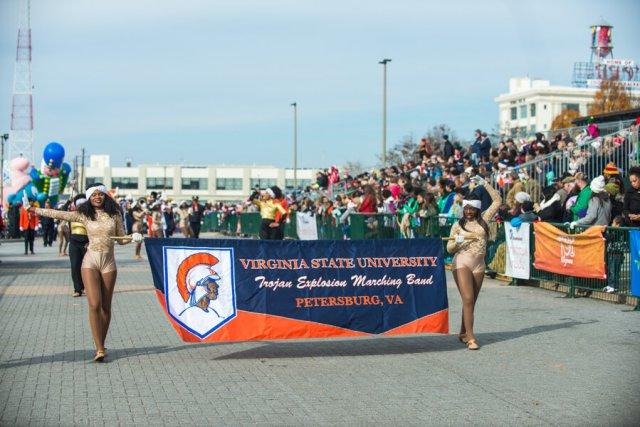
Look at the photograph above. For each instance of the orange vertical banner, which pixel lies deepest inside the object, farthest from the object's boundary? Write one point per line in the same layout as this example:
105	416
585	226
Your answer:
578	255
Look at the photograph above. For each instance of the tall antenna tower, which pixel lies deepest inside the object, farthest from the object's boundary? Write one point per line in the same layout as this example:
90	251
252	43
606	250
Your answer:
21	134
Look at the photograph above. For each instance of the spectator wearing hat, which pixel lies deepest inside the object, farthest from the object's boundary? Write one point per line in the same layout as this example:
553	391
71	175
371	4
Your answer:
525	214
599	205
579	210
631	205
551	208
269	227
610	171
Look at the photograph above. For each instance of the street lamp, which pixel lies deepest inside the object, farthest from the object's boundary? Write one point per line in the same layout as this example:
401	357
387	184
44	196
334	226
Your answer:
384	63
295	145
4	138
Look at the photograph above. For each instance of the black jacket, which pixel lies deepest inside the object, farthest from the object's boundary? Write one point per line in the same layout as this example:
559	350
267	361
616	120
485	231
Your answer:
448	150
46	221
196	214
485	148
631	205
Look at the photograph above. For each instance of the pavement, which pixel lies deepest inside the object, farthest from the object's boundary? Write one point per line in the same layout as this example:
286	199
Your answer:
545	360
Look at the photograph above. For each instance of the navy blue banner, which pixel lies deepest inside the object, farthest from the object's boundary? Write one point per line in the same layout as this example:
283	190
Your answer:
366	286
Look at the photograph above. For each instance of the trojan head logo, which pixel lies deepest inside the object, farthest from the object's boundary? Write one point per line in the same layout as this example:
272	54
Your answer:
198	282
199	287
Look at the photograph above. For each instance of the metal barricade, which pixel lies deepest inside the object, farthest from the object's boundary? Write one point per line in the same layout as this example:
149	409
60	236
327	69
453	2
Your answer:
250	223
617	260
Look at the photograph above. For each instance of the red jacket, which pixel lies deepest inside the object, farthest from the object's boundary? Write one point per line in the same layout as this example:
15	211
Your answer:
279	215
28	219
368	205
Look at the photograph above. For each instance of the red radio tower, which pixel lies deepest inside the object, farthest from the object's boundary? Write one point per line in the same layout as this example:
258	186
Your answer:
21	135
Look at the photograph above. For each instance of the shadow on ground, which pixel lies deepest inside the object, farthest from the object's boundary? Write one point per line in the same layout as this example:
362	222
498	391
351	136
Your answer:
369	346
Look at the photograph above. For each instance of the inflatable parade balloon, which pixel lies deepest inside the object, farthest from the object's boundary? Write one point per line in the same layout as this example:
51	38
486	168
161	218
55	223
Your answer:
53	174
20	181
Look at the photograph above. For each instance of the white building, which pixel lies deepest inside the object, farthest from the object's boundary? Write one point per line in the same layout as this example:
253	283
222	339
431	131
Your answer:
531	105
210	183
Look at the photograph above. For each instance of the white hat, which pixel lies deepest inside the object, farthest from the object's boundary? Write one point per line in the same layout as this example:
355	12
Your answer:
522	197
468	170
597	184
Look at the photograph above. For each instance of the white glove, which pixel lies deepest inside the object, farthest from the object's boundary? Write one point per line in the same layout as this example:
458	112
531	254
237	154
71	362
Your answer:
459	239
137	238
573	224
25	199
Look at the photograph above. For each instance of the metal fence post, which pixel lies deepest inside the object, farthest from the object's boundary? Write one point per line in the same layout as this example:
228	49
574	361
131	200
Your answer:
572	289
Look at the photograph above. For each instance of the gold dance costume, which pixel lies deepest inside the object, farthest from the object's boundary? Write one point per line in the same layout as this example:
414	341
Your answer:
471	253
100	254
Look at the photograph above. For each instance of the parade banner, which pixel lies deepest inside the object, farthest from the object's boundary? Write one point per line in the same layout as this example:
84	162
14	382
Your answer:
237	290
578	255
306	226
518	263
634	260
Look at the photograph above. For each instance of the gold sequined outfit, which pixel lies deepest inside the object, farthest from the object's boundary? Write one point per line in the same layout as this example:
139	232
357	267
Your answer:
471	253
99	254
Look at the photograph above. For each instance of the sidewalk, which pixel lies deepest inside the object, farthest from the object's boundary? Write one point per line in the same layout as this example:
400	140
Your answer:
545	360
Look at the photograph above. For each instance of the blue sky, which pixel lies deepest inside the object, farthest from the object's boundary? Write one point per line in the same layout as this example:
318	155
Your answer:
211	82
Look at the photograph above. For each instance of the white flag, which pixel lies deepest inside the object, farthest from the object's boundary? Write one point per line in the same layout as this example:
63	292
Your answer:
518	263
306	226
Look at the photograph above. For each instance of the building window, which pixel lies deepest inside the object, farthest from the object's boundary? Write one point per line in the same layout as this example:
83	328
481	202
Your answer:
532	129
532	110
90	181
514	113
514	132
523	130
125	183
228	183
544	107
523	111
262	182
302	183
159	183
572	107
194	183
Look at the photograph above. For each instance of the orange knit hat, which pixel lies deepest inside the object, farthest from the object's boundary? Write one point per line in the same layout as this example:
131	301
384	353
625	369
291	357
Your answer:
611	169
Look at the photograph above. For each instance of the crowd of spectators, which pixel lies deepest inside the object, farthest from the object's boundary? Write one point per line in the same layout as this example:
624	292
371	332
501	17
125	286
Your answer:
441	174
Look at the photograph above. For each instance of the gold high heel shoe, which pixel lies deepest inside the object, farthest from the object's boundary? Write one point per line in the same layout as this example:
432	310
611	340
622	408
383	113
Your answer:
472	345
99	357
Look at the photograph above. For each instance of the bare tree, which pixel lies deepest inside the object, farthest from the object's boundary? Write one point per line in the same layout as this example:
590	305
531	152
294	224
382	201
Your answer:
402	152
354	168
435	135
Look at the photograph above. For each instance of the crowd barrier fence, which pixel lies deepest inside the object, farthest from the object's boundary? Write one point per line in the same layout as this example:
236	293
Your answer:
388	226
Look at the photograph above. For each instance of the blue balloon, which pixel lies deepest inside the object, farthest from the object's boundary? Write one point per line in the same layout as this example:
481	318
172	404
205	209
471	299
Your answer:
516	222
65	169
53	154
